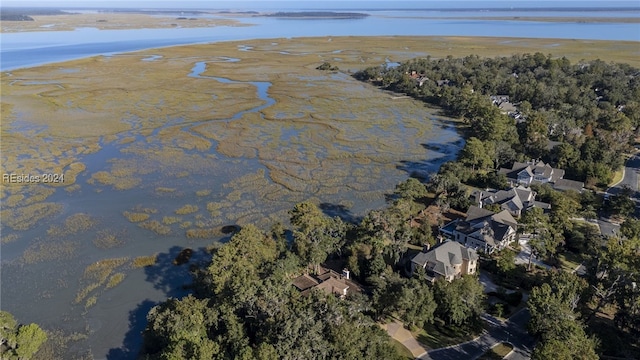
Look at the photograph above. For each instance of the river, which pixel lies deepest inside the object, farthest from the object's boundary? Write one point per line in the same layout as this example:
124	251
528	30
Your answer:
35	48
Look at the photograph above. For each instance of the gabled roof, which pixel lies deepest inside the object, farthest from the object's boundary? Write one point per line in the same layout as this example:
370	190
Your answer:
525	194
304	282
504	217
442	258
475	214
531	168
333	285
514	204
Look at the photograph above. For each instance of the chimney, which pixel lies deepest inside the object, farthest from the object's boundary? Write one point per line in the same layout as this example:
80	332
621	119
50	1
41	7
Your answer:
426	247
345	273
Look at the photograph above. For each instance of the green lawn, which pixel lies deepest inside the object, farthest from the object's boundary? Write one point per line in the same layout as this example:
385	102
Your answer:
497	352
569	261
438	335
402	350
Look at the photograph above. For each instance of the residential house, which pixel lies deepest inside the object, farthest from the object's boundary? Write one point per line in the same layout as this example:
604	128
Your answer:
418	78
482	229
515	200
539	173
448	261
502	102
328	281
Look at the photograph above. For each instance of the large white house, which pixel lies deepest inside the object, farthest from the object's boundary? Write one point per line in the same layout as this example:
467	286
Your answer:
539	173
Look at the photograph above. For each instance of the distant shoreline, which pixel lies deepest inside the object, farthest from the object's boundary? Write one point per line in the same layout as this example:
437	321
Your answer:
565	19
316	15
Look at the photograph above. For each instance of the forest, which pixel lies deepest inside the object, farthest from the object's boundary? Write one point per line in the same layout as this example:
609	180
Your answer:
578	117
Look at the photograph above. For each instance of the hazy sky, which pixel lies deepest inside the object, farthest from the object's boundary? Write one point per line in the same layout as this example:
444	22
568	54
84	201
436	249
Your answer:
315	4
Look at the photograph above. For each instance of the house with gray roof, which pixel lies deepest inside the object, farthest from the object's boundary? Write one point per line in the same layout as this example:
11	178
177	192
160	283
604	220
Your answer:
515	200
448	261
533	172
482	229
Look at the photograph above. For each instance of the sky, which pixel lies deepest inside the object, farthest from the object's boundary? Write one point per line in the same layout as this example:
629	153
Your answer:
311	4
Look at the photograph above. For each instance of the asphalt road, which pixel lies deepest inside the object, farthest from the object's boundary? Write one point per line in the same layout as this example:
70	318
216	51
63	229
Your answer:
512	331
630	179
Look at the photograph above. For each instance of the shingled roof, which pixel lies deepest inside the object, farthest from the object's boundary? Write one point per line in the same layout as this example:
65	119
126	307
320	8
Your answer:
441	259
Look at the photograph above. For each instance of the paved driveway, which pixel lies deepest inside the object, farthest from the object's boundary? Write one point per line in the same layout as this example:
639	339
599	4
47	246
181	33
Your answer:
512	331
525	251
397	331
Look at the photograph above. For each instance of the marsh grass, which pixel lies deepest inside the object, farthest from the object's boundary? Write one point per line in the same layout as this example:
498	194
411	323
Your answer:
203	233
115	279
72	188
91	301
72	173
72	225
106	239
85	291
13	200
135	217
156	227
36	194
165	190
204	192
109	21
98	274
325	134
187	209
42	251
6	239
146	210
118	183
184	140
170	220
144	261
27	217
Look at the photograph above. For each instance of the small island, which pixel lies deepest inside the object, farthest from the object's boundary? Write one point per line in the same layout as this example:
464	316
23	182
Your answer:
318	15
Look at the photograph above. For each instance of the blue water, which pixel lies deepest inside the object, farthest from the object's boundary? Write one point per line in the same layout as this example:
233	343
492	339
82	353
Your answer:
36	48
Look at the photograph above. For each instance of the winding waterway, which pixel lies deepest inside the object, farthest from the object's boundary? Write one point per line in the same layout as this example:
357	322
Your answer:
34	48
45	289
42	275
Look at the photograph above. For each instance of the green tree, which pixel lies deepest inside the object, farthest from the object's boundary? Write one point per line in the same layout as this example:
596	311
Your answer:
554	322
630	228
476	154
417	303
19	341
506	261
179	329
236	266
315	234
573	344
621	204
411	189
460	300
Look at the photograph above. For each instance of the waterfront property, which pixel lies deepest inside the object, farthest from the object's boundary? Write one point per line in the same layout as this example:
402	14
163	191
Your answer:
328	281
448	261
482	230
516	200
533	172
